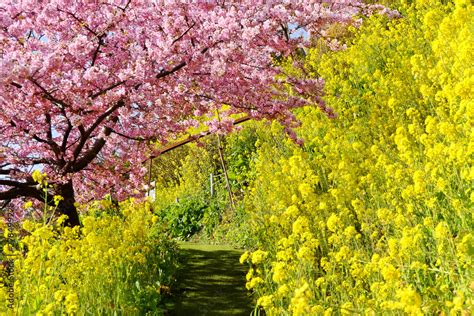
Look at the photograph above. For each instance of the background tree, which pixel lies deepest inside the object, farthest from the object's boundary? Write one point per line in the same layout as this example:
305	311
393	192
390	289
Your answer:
85	86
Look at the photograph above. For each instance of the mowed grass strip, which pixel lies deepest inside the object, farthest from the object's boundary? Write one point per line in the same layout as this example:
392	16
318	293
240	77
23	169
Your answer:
211	281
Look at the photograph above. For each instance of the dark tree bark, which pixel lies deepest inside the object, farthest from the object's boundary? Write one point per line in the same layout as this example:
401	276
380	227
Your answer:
30	190
67	205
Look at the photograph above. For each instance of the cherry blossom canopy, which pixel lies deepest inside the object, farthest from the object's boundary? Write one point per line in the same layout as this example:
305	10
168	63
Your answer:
84	85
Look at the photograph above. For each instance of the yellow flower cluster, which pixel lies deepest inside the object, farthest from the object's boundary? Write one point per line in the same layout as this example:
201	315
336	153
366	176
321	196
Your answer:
374	215
113	264
40	178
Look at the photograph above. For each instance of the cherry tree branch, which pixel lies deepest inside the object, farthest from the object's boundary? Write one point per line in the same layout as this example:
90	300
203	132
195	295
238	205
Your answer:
285	32
80	21
19	86
85	134
28	191
126	6
101	92
49	132
51	143
119	7
8	171
103	116
191	139
172	70
20	189
178	66
67	132
94	150
17	184
48	95
184	33
96	52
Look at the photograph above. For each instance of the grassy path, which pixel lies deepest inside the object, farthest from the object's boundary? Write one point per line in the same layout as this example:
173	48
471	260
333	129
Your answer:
210	282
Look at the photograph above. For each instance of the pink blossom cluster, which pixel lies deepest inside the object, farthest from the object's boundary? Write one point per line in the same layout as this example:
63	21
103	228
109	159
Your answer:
87	86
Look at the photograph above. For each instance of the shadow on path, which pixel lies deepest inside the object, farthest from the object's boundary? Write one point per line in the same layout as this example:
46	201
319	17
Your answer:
210	282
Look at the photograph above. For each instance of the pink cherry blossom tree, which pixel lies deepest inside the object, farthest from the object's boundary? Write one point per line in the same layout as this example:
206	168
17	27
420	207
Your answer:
87	86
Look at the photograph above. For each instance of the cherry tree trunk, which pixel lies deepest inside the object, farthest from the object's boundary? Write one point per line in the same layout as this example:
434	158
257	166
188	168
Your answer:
68	206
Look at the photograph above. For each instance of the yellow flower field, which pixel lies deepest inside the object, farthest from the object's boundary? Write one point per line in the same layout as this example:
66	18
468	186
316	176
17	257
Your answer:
116	263
374	215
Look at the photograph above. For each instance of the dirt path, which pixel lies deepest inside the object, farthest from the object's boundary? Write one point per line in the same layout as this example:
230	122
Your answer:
210	282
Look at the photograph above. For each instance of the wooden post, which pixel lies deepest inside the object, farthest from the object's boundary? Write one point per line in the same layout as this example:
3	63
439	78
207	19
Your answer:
211	182
224	169
149	178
